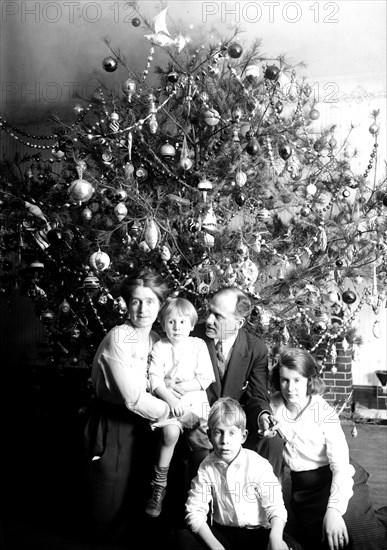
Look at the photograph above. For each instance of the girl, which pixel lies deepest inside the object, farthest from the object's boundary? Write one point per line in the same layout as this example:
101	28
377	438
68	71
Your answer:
329	495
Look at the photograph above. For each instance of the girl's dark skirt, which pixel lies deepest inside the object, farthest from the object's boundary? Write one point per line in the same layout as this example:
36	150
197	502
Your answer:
367	528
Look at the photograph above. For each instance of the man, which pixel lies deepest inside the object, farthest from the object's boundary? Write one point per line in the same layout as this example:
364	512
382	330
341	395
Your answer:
241	369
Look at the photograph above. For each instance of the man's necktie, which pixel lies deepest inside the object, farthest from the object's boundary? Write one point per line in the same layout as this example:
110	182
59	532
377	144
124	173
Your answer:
220	358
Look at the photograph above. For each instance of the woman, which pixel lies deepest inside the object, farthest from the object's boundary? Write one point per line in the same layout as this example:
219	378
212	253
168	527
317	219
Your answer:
329	495
117	434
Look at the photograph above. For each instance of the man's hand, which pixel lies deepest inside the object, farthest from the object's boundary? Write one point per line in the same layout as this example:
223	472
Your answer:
267	427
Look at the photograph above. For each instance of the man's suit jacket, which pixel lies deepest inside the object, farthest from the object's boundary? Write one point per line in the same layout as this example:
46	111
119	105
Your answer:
246	378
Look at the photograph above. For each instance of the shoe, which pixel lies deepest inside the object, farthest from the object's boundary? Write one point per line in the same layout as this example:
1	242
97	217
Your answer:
155	503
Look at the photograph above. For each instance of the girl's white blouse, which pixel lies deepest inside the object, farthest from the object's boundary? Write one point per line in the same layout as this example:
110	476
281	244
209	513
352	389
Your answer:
315	439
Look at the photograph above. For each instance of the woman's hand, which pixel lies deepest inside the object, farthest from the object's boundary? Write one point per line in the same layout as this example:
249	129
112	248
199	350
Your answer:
175	387
335	530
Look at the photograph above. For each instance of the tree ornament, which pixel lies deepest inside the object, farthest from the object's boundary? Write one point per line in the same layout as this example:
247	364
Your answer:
349	297
311	189
213	70
237	114
209	221
249	272
109	64
141	173
279	107
151	233
292	92
144	247
264	215
314	114
333	297
167	151
240	198
285	151
252	147
128	169
305	212
373	129
203	288
211	117
47	317
244	131
209	240
64	307
78	109
320	327
165	253
173	77
252	73
384	200
107	157
192	225
272	72
240	178
121	194
185	161
80	191
204	186
129	88
235	50
99	261
136	22
86	214
120	211
75	333
55	237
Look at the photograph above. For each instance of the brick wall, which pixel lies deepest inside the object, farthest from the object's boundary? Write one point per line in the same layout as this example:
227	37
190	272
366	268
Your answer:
339	383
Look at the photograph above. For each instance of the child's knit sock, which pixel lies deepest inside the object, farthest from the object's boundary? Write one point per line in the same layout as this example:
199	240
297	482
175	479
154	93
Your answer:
161	475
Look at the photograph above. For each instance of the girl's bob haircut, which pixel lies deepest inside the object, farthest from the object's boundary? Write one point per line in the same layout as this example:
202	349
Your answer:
301	361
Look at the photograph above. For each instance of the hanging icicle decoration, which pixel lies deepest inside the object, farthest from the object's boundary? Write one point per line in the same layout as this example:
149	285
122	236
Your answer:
322	239
345	344
375	282
376	329
333	358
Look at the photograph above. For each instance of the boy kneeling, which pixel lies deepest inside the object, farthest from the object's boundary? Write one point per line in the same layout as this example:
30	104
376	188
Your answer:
248	510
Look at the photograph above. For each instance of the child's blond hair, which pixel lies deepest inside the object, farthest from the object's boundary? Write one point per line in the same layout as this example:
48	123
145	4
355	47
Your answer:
227	411
182	306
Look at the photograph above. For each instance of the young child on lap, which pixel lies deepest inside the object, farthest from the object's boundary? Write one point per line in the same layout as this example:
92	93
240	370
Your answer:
180	372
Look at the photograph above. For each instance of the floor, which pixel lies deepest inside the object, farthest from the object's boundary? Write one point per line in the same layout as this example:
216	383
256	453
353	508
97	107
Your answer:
43	501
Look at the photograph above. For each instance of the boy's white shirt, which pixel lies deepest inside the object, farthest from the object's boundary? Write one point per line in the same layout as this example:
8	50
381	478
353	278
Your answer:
245	493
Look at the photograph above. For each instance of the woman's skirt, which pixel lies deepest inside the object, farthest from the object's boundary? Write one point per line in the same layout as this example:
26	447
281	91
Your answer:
367	528
119	453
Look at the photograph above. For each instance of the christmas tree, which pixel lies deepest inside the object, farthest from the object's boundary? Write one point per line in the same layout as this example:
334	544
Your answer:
211	176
